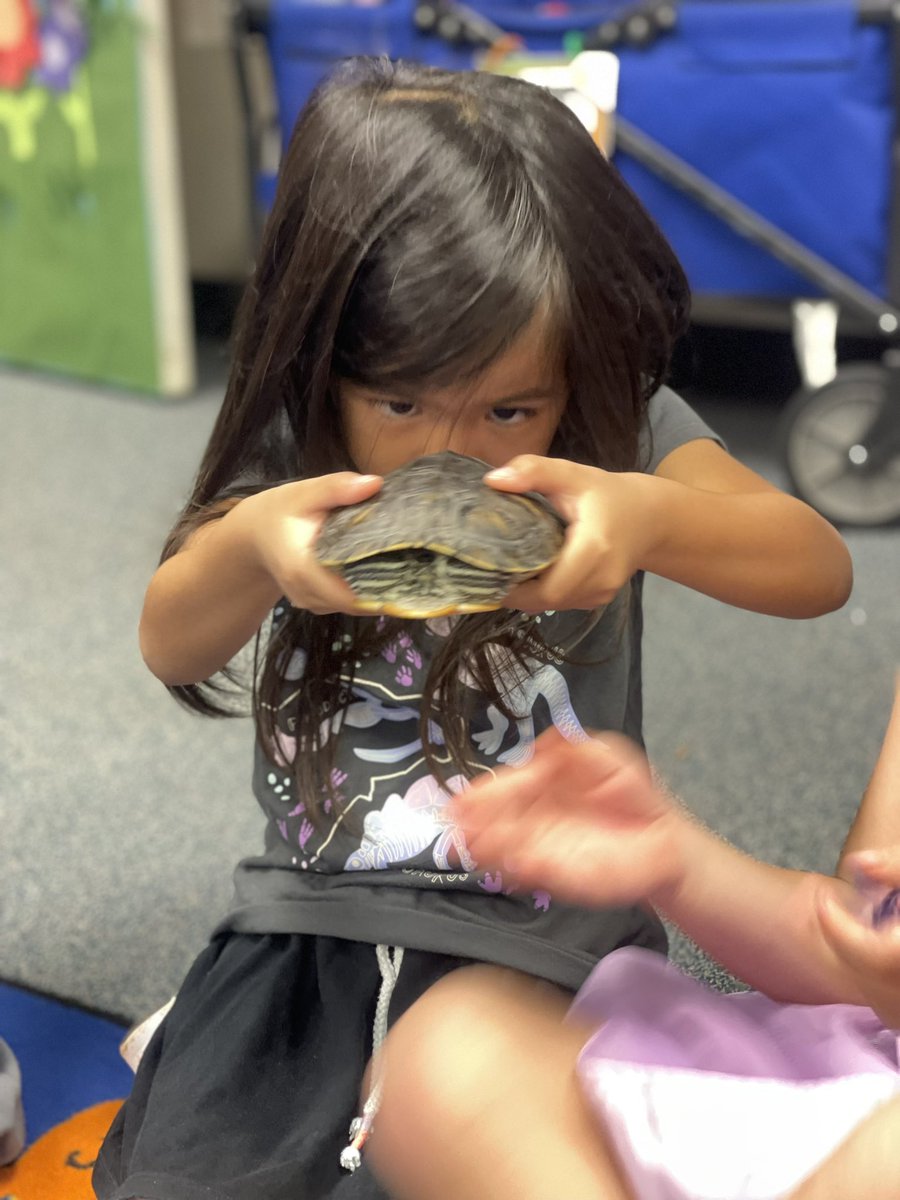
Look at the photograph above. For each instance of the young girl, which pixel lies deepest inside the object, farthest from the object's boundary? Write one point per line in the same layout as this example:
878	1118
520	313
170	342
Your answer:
701	1096
450	264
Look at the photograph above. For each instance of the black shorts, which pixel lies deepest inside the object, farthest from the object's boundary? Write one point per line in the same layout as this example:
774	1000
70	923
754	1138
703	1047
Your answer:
248	1088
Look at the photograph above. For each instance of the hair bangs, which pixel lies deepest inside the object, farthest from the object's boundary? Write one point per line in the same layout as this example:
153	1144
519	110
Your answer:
435	342
462	265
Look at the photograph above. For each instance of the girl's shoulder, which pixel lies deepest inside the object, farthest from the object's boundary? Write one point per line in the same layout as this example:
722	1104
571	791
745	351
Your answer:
670	423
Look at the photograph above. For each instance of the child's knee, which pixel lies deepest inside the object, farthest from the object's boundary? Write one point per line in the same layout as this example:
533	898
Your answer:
455	1051
440	1061
461	1065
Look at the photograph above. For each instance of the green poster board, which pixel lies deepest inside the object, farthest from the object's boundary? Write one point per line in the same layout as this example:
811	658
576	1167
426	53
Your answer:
93	269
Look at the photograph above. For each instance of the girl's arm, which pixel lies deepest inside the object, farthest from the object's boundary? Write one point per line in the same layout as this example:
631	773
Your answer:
830	949
733	535
586	822
871	950
208	600
703	520
867	943
877	823
760	921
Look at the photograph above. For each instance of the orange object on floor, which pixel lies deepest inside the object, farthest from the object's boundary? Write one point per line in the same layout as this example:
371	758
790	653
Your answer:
59	1165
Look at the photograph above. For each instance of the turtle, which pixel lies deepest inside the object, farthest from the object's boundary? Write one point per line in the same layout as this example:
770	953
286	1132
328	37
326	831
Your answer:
437	540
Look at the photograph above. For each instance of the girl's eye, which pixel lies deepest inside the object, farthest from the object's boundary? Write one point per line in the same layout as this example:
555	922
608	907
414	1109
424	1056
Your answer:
510	416
394	408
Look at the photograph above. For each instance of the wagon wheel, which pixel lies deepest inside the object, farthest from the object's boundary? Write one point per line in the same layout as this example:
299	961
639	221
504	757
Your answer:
841	445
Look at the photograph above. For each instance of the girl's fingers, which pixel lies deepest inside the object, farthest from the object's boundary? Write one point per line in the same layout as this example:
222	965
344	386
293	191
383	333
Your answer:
330	593
843	928
532	473
310	498
579	819
864	948
311	586
513	787
345	487
338	596
871	954
567	777
881	866
591	779
586	575
563	585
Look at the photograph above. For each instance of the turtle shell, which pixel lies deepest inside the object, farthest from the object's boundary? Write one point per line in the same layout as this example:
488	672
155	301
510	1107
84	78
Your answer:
436	539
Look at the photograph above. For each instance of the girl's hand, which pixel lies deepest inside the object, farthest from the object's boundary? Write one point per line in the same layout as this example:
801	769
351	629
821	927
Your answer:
283	524
610	529
582	820
869	945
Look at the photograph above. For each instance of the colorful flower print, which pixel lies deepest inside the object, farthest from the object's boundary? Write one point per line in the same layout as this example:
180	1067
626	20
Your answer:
63	45
20	48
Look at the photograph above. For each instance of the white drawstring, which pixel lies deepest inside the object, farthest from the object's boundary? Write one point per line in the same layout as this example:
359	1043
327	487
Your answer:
389	965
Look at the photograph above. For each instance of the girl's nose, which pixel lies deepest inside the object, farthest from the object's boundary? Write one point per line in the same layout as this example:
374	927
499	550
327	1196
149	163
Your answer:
448	435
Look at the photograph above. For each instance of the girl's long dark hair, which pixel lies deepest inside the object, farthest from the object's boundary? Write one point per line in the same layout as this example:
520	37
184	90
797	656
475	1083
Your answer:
422	219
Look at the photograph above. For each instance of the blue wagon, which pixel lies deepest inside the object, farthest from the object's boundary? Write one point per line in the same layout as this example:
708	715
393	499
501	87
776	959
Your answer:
763	137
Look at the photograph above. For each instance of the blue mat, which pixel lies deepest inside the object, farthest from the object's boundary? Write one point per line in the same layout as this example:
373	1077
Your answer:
69	1058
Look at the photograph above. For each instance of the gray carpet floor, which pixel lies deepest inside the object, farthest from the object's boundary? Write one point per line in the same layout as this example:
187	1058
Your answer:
121	816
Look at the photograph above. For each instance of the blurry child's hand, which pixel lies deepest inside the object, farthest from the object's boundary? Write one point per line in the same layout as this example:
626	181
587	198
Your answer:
582	820
610	530
868	943
284	523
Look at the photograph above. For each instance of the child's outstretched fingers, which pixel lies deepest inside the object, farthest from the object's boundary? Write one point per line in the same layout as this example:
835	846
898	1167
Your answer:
878	866
877	878
868	946
582	820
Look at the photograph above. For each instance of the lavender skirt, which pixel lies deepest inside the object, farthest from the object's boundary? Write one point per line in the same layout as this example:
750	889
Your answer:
712	1097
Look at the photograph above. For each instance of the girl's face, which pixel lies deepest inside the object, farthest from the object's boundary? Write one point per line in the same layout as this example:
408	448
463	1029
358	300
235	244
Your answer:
513	407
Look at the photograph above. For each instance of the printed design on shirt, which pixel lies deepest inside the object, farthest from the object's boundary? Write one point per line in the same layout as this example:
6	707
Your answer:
493	882
368	710
522	687
522	693
437	877
407	811
522	690
402	651
364	712
407	825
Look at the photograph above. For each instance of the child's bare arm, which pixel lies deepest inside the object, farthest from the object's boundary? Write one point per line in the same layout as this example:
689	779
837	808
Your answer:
868	945
703	519
586	822
206	602
734	535
870	948
877	823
